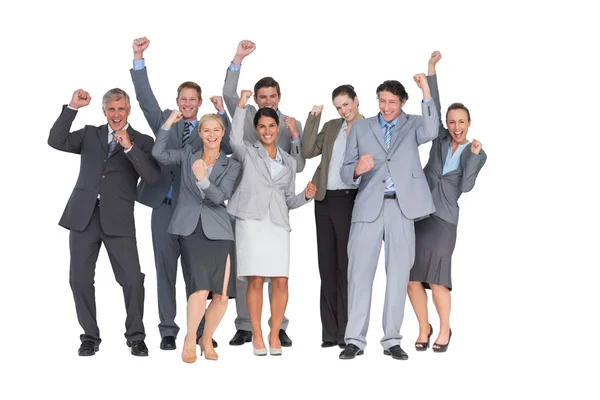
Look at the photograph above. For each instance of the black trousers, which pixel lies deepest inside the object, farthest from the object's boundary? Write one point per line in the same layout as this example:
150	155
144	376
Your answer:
333	216
123	255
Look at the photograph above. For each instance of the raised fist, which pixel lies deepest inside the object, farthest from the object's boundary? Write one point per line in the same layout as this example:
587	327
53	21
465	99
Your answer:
139	45
421	81
476	146
365	164
217	101
311	191
80	98
122	137
175	117
244	97
435	57
245	47
316	110
199	168
290	123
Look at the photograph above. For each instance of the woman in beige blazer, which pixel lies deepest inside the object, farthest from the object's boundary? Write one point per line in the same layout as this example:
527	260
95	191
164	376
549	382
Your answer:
261	205
333	209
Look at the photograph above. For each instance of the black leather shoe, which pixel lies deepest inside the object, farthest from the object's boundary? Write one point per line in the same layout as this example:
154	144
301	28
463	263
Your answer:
328	344
350	352
214	342
168	343
284	339
138	348
240	338
441	348
396	352
88	348
342	345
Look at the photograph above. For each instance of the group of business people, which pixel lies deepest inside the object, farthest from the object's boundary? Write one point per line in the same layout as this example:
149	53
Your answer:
221	192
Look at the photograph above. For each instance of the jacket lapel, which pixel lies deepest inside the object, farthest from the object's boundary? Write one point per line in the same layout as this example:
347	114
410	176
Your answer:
219	167
103	137
262	153
444	145
398	132
377	132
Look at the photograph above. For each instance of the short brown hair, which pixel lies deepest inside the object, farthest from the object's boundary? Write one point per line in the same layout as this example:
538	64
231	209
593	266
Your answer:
458	106
190	85
267	82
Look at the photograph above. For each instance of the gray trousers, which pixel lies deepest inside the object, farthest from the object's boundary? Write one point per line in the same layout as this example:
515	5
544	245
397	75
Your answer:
166	253
364	247
242	321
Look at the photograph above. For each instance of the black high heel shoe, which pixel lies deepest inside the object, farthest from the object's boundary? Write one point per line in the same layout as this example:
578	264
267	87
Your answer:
442	347
424	345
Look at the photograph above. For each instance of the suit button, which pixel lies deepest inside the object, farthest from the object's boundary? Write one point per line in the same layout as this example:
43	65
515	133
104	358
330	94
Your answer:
383	181
104	160
103	177
172	173
389	160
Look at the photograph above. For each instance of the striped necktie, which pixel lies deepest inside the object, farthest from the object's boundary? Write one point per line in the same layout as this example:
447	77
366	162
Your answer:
112	146
387	138
186	133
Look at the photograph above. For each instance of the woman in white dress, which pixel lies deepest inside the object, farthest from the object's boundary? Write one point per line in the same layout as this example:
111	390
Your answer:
261	205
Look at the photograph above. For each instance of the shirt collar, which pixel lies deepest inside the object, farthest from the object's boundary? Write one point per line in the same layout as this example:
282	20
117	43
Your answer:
110	129
382	121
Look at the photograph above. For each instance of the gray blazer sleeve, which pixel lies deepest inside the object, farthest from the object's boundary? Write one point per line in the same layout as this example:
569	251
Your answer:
142	162
472	164
225	145
148	103
292	199
160	151
435	94
230	94
430	126
60	138
236	138
312	143
218	194
351	157
296	150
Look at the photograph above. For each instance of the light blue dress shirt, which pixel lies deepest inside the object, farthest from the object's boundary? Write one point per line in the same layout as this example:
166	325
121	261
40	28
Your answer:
453	160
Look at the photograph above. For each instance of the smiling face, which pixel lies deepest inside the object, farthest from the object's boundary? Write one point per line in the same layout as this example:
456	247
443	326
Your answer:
211	132
267	97
188	102
116	112
458	125
390	105
346	107
267	130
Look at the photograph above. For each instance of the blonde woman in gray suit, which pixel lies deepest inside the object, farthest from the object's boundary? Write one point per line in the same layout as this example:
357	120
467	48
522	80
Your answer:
452	169
203	225
334	202
261	205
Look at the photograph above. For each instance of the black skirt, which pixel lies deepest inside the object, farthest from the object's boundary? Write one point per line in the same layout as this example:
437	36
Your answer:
434	244
206	260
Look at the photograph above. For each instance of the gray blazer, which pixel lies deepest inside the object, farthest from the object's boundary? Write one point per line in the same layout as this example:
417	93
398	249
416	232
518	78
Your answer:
153	194
194	203
284	137
402	160
257	191
446	189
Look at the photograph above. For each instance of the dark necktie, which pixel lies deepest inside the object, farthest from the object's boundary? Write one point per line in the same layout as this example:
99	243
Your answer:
112	146
186	133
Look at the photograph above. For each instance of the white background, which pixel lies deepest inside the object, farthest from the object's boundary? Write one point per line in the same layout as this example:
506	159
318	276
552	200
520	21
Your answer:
525	307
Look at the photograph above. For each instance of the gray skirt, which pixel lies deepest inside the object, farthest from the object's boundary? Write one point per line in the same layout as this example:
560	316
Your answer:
206	261
434	245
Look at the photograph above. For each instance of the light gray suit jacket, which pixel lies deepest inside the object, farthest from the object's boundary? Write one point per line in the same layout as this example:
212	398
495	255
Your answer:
257	192
153	194
401	160
284	137
446	189
194	203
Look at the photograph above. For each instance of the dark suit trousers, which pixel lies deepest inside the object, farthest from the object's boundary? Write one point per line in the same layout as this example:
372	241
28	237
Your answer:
333	217
123	255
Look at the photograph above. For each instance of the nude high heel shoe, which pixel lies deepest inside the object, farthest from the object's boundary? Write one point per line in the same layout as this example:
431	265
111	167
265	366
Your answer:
209	354
189	356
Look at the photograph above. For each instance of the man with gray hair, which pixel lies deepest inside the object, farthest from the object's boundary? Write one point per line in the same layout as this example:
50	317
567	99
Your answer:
100	210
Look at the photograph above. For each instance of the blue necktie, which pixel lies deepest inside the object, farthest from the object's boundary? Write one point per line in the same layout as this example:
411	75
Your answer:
387	138
186	133
112	145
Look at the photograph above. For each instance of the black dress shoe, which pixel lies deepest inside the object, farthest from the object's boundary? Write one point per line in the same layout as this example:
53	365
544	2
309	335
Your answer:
168	343
328	344
138	348
240	338
284	339
88	348
350	352
342	345
396	352
441	348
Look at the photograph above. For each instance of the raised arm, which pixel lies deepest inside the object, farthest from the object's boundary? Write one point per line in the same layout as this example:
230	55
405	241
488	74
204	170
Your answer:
433	87
244	48
143	92
236	139
474	161
312	143
159	150
429	128
60	138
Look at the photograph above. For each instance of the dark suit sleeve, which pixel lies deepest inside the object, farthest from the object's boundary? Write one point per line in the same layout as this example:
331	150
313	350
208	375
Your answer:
225	146
472	164
140	157
148	103
312	143
435	94
60	138
218	194
296	150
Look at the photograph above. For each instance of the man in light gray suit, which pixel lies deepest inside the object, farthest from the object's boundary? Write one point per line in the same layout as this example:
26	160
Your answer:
382	157
266	94
162	196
